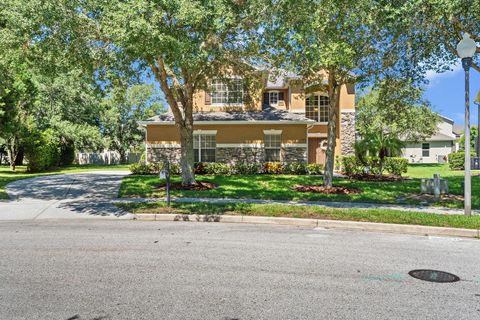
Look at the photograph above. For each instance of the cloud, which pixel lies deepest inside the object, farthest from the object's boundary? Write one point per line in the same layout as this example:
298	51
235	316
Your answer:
434	77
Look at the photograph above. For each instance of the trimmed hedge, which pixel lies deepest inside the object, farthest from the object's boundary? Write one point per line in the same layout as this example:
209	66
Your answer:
152	168
396	166
456	160
214	168
351	166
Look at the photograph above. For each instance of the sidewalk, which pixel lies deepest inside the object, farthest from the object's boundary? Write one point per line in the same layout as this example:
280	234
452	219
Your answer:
326	204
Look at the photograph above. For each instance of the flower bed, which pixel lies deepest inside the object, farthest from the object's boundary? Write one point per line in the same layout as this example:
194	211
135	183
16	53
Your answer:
326	190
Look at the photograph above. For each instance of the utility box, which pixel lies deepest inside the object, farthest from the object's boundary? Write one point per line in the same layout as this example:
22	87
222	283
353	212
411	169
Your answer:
475	163
435	186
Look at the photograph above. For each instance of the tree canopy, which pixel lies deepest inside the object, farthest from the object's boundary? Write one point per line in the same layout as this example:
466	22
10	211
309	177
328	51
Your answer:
396	108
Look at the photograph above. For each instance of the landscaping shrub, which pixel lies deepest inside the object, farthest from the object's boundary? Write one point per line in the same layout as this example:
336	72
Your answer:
215	168
200	168
351	165
42	150
145	169
246	168
314	168
140	169
272	168
456	160
395	165
294	168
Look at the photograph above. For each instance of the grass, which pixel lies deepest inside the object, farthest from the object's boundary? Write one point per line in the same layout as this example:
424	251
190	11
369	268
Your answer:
365	215
279	187
7	176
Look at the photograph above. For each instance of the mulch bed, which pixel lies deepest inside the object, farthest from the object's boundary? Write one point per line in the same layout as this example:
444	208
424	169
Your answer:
326	190
431	198
376	178
197	186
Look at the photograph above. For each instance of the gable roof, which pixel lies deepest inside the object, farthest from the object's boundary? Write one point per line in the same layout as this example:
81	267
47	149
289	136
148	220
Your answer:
266	115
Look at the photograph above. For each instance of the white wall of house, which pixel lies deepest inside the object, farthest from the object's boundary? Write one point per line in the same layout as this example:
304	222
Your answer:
439	145
438	150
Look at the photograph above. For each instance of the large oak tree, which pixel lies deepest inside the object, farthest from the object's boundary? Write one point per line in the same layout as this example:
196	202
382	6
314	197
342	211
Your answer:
333	43
183	43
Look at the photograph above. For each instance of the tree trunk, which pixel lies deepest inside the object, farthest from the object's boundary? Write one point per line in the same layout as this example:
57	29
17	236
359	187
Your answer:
123	156
334	95
186	161
12	152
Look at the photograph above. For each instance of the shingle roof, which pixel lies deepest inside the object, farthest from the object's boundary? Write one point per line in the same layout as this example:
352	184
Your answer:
268	114
441	137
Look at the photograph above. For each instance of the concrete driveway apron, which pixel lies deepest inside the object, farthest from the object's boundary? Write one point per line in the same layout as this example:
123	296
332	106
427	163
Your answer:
66	196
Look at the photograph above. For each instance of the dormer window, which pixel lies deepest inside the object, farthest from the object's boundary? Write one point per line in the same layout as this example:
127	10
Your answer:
227	91
272	98
317	108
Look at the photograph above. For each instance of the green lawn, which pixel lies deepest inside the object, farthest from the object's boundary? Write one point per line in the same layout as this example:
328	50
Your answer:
280	187
7	176
367	215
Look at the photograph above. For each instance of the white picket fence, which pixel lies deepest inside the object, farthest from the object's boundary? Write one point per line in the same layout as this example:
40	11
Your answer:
106	157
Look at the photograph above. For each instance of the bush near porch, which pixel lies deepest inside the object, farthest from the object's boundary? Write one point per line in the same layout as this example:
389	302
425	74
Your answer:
214	168
281	187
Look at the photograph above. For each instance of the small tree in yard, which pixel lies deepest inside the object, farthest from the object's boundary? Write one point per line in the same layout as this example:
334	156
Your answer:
121	111
334	43
183	43
379	145
396	108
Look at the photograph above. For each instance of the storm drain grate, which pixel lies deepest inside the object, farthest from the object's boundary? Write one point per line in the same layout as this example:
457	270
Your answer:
433	276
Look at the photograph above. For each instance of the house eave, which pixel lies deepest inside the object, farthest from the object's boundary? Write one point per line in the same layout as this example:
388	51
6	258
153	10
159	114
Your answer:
282	122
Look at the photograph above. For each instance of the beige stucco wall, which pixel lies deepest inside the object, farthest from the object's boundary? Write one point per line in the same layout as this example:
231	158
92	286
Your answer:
230	133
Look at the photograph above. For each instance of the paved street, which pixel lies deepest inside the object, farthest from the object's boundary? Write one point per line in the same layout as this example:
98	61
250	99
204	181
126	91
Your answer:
108	269
66	196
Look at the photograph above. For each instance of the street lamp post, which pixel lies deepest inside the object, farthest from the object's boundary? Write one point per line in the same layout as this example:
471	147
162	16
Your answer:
466	49
477	102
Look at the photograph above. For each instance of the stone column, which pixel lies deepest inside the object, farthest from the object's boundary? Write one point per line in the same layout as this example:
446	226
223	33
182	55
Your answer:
347	133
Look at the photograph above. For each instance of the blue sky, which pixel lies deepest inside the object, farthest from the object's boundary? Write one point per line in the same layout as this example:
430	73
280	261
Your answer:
446	93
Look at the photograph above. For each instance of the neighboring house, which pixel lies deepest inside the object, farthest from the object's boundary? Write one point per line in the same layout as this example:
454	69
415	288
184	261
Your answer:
436	148
277	122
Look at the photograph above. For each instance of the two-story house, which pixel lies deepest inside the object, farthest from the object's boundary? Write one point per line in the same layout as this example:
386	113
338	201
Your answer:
283	123
434	149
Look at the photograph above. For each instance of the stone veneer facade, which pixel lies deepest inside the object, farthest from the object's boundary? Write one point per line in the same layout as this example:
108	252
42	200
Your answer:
231	154
159	154
347	133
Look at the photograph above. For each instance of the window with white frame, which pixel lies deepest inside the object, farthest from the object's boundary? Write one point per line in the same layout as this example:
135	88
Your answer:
425	149
204	147
317	108
273	97
227	91
272	147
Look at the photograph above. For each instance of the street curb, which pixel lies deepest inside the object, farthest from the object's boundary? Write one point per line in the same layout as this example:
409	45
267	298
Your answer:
316	223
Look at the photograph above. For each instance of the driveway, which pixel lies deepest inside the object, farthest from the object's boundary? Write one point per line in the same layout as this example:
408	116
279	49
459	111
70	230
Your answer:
66	196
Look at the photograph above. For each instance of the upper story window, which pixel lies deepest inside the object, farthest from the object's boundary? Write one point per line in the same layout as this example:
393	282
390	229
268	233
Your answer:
317	108
204	146
227	91
271	98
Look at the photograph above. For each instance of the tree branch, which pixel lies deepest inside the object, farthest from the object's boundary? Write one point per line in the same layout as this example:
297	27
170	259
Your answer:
160	74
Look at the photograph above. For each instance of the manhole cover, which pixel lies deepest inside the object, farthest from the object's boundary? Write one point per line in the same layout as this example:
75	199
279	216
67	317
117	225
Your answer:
433	276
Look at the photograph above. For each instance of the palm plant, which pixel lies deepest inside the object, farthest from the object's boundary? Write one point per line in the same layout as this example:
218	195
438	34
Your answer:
379	145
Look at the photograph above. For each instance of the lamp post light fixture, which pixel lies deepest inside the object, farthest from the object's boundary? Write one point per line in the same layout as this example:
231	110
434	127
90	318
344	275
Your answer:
466	49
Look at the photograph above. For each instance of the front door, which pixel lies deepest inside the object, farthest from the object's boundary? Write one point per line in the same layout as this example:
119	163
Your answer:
316	150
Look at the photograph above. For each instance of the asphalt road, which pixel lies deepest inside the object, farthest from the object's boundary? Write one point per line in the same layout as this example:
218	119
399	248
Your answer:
106	269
